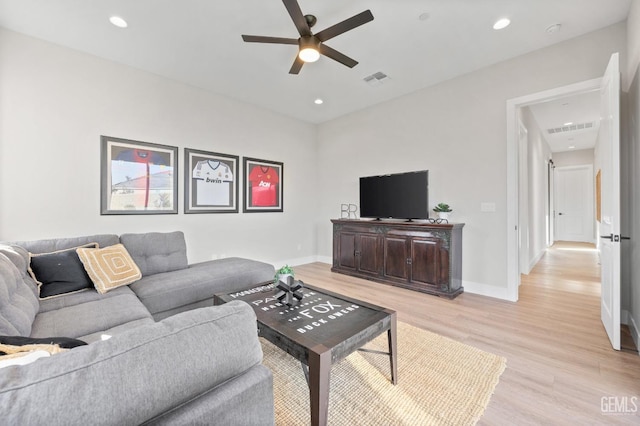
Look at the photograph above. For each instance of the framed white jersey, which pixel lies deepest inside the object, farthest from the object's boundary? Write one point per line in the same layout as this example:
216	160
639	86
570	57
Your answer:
210	182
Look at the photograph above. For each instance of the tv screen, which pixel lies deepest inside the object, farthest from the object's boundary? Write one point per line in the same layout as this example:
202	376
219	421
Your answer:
399	196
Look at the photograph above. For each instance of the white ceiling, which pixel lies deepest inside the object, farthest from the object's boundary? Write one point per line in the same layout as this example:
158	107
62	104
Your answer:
198	42
569	123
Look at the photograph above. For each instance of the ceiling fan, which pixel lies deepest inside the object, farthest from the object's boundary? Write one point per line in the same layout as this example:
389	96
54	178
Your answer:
310	45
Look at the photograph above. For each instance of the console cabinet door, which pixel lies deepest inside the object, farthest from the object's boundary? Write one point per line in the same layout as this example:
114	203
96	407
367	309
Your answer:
347	250
396	258
368	254
425	261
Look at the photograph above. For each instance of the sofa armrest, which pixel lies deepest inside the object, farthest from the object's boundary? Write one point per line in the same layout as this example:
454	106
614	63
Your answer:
137	375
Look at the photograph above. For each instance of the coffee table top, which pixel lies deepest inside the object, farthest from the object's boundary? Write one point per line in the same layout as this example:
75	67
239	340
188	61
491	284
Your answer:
321	321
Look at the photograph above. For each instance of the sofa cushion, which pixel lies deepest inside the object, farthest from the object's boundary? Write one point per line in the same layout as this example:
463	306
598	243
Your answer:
156	252
72	299
18	294
59	272
90	317
109	267
201	281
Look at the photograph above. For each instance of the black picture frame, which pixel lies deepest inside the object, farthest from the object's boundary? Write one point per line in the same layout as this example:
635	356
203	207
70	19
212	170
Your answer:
210	182
137	177
263	185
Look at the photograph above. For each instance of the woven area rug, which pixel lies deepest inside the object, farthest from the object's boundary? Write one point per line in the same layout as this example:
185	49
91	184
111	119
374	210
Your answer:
440	382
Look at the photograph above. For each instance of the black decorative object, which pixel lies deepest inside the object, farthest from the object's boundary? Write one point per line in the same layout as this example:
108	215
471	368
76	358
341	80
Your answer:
289	291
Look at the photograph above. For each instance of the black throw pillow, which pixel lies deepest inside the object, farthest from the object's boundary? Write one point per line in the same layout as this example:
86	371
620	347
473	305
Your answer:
59	272
63	342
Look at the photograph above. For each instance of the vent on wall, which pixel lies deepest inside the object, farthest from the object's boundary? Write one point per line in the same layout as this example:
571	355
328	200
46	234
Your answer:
376	79
572	128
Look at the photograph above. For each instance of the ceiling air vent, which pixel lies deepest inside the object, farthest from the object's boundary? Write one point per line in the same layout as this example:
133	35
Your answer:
376	79
572	128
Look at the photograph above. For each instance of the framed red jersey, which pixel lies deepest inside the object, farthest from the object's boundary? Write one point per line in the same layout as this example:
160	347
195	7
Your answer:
263	182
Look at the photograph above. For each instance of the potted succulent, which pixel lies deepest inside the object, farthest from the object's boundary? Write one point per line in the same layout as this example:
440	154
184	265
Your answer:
443	210
283	272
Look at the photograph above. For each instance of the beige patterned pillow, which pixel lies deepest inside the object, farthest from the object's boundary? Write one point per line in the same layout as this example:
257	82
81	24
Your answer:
109	267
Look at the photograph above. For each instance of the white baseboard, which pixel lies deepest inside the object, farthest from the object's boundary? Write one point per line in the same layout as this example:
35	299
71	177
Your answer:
295	262
486	290
633	329
535	260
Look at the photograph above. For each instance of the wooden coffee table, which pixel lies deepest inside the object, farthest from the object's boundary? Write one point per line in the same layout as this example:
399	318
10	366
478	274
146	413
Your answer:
324	327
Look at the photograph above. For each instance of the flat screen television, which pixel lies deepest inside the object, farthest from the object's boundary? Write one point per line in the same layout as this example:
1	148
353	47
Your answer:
397	196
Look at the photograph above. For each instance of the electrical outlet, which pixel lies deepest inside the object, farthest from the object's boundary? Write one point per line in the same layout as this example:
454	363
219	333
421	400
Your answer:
487	207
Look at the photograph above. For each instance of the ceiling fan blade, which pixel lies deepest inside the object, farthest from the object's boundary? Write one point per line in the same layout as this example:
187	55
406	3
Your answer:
298	18
337	56
263	39
297	66
346	25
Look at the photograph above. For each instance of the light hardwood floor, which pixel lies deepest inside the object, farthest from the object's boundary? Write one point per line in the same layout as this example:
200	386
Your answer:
560	364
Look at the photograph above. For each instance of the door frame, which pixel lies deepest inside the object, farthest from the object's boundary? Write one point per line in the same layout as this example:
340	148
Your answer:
523	199
514	174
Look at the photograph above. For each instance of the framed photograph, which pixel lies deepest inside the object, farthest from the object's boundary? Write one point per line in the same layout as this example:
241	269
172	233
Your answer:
138	177
263	181
210	182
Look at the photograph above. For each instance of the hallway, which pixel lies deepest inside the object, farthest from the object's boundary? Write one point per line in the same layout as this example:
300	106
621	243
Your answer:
570	267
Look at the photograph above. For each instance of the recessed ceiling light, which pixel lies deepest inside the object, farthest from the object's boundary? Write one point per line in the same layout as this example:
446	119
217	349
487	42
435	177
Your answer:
318	101
118	22
568	123
572	147
501	23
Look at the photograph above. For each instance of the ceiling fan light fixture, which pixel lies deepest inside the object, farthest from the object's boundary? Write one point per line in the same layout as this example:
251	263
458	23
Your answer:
309	54
309	49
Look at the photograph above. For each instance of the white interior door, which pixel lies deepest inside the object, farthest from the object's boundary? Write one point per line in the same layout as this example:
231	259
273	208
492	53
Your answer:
608	154
574	203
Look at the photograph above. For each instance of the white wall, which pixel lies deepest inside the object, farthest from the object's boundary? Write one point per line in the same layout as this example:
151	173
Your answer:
633	44
631	300
457	130
55	104
538	156
573	158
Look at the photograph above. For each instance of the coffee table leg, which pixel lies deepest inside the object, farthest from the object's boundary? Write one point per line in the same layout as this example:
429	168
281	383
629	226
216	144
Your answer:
393	349
319	372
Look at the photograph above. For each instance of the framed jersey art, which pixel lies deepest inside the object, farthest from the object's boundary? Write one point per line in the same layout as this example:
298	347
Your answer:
210	184
263	181
138	177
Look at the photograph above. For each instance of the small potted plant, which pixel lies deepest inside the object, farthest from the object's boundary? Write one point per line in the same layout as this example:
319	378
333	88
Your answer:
443	210
283	273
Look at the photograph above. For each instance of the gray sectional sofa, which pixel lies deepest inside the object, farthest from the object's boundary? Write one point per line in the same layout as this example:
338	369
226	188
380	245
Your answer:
172	358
